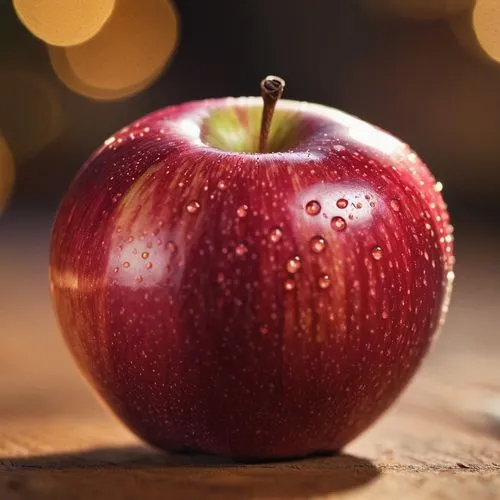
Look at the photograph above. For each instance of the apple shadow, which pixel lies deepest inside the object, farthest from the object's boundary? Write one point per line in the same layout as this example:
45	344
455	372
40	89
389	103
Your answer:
145	473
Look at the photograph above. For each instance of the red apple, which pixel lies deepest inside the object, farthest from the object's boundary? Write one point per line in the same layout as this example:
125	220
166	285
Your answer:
254	305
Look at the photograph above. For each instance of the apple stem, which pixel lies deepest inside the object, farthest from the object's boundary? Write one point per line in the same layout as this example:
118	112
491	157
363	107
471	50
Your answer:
271	89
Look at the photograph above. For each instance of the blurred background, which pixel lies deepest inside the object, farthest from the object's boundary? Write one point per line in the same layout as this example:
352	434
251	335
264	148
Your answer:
426	70
73	72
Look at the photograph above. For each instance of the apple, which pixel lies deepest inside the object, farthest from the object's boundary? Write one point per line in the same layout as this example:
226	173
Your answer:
250	284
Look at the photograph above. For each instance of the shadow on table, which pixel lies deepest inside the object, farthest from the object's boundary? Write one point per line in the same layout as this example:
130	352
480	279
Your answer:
144	473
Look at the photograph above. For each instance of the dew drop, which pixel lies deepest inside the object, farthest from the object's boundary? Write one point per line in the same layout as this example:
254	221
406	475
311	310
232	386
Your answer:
395	205
241	249
317	244
338	223
324	281
149	265
116	269
264	329
126	264
385	314
193	207
145	255
221	185
275	235
377	252
109	141
342	203
242	211
293	264
412	157
289	284
313	207
438	187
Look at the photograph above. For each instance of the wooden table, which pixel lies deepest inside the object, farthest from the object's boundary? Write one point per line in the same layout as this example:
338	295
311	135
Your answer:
440	441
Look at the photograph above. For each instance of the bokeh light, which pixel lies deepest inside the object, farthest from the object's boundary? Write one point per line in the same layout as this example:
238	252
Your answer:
417	9
126	56
31	114
6	172
486	24
64	22
61	67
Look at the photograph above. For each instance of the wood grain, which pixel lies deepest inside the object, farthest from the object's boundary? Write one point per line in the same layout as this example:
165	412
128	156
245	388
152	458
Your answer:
441	440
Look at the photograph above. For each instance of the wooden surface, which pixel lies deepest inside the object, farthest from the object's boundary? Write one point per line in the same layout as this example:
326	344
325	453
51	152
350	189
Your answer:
441	440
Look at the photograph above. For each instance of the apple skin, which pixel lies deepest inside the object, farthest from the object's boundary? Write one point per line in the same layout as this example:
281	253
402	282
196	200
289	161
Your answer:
256	306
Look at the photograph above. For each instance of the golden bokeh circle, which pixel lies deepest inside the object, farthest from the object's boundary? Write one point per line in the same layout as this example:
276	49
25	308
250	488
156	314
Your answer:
7	173
64	22
61	67
129	52
486	25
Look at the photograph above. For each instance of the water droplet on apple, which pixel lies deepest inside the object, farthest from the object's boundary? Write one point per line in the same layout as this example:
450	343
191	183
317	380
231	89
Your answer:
275	235
145	255
264	329
342	203
313	207
116	269
317	244
385	314
338	223
324	281
438	187
171	246
220	277
149	265
289	284
130	239
241	249
242	211
126	264
412	157
193	207
221	185
377	252
293	264
395	205
109	141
